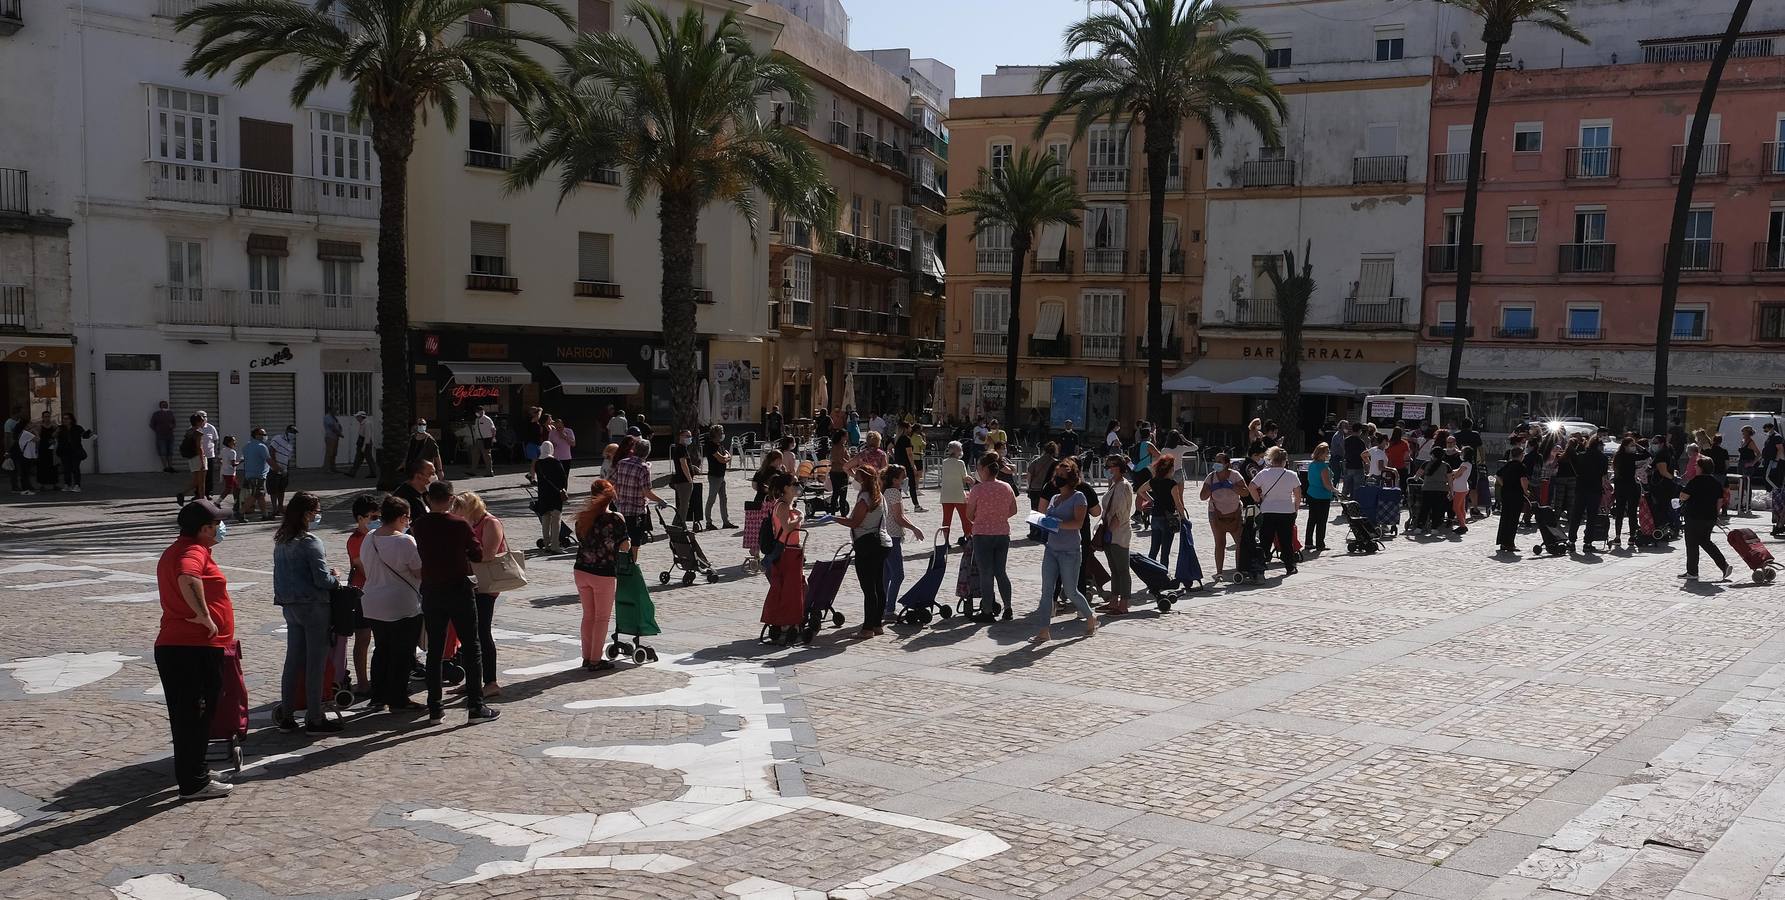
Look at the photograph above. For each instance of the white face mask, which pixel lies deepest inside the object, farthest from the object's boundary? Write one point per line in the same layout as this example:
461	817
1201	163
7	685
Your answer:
421	429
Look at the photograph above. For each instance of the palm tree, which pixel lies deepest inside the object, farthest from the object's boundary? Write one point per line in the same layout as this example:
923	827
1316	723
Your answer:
1029	193
1294	292
1682	207
1159	64
400	62
1498	17
679	119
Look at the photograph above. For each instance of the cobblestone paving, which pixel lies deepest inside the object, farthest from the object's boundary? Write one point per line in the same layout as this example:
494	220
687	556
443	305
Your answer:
1406	726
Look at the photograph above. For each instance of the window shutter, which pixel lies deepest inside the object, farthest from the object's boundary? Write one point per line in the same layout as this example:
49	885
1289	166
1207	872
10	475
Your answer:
595	253
267	245
1376	279
1171	234
1168	317
341	250
1118	227
700	266
489	239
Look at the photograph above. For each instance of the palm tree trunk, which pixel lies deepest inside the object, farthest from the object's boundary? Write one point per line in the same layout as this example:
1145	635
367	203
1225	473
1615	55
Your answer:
1289	378
393	136
678	219
1158	153
1019	251
1682	207
1471	201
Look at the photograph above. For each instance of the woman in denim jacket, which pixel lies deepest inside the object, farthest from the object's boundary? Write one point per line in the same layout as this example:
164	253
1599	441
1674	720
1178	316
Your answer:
302	581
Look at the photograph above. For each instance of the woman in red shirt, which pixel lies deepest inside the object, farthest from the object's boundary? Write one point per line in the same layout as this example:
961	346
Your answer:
1398	451
365	512
784	609
197	623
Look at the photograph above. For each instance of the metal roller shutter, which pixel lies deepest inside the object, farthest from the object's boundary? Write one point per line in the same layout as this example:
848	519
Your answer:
189	392
272	400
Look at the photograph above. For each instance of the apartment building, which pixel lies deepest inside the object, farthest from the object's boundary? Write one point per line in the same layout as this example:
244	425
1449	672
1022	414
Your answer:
846	292
1580	176
520	299
1084	303
219	244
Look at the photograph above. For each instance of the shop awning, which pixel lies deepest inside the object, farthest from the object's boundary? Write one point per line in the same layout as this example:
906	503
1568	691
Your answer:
580	378
1258	376
1610	379
488	373
1048	323
1205	374
1362	377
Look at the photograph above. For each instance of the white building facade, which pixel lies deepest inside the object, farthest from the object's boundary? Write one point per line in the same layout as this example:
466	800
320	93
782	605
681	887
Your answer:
223	245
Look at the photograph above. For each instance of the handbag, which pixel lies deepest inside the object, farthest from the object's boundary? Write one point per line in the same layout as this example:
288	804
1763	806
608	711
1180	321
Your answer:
504	572
1100	537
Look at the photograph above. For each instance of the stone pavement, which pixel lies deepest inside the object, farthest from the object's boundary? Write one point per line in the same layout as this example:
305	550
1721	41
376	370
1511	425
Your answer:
1429	722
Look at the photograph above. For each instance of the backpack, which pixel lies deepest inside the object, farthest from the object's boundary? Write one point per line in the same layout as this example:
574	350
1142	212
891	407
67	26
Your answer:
770	542
189	444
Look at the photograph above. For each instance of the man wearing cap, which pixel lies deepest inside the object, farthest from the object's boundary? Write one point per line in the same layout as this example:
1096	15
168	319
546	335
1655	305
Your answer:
197	624
365	445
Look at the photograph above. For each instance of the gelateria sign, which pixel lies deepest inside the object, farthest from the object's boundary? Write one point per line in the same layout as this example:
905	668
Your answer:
465	393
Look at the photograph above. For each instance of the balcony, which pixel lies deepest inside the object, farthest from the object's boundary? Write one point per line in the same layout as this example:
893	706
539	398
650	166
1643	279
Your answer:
588	287
1772	159
888	155
487	159
12	16
1061	265
704	297
839	134
1699	256
1051	348
1257	312
930	284
1587	259
1713	162
992	262
791	313
929	197
1100	346
865	250
480	281
1769	257
1106	180
1378	169
1376	311
1173	349
261	191
1589	163
1267	173
1703	50
864	145
1174	179
1515	333
608	176
1691	335
1452	169
1583	333
1106	261
1448	330
935	144
1443	259
795	234
14	310
265	309
927	348
990	344
15	189
1174	262
836	318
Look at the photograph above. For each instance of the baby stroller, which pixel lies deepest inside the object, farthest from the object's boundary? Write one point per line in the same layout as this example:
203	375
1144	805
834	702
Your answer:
1364	536
1747	545
1248	565
1189	571
919	605
1553	539
634	614
687	554
1159	581
821	592
566	535
229	720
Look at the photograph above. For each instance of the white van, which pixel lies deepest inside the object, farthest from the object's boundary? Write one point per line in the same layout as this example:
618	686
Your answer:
1731	428
1417	410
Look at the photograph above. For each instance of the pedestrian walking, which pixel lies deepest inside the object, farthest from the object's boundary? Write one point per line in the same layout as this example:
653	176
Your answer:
448	547
617	426
562	438
1116	534
192	450
161	425
423	448
553	485
602	538
892	483
21	451
1063	556
681	474
390	604
1461	486
302	581
718	459
1699	503
493	537
208	446
197	626
1590	468
1223	489
483	431
332	432
758	508
232	474
632	487
365	445
1434	493
1278	493
991	503
869	537
839	474
280	463
772	424
908	453
1320	495
953	488
365	521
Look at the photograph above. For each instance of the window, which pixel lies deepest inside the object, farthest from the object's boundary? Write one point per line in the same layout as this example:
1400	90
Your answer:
1521	225
1517	321
1277	55
186	127
489	249
1062	160
855	215
1583	321
340	281
1263	288
1000	159
1101	324
594	16
1376	278
343	151
1772	321
1589	226
595	257
185	271
1775	242
489	136
1107	148
1689	323
796	277
346	391
1391	42
263	278
1697	250
874	231
1453	227
991	321
901	227
1106	227
1595	154
1527	137
1447	315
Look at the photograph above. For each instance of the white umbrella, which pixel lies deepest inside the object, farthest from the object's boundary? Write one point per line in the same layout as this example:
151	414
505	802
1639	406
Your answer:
820	394
1330	384
1184	382
848	398
1257	384
938	399
717	410
703	401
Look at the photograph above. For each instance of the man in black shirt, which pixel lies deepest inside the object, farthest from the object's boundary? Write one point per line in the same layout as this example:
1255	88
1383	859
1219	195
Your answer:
1699	503
1515	486
1354	460
1589	465
421	473
681	474
902	455
1068	441
713	449
771	424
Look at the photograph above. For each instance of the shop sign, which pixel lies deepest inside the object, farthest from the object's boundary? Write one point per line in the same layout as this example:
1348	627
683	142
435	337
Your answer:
430	345
584	353
485	351
463	393
660	360
133	362
35	354
277	359
1269	351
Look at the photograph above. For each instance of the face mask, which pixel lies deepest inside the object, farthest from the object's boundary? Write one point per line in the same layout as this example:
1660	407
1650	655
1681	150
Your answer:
374	524
687	441
1220	467
316	520
292	432
421	429
222	530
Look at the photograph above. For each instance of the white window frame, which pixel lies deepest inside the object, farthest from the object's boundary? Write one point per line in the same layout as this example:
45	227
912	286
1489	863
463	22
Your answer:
1521	213
1107	147
170	131
340	282
505	273
999	156
341	151
1594	124
1100	312
1508	307
1704	319
266	278
797	272
607	277
1520	128
1604	224
186	287
1391	33
1285	42
991	319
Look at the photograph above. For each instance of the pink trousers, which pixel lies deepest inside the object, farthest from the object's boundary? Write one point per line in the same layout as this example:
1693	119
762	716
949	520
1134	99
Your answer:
597	594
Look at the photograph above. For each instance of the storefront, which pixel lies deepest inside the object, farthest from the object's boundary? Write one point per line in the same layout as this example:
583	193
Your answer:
578	378
38	377
1236	380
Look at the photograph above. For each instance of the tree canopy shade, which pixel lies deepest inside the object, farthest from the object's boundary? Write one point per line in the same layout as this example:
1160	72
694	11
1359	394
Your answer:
1030	192
1498	18
400	58
680	119
1159	64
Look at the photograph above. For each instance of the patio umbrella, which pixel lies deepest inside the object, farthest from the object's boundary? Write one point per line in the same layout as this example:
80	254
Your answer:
938	400
1257	384
1330	384
718	408
703	401
1184	382
820	393
848	398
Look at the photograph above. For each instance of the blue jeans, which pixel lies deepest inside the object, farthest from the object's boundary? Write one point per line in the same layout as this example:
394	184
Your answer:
895	575
1059	570
992	553
1164	531
307	645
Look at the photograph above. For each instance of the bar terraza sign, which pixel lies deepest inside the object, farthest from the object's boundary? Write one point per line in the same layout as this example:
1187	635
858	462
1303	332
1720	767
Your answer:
1316	353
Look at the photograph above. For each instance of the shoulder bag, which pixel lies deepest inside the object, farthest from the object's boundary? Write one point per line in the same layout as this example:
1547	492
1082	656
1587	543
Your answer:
502	572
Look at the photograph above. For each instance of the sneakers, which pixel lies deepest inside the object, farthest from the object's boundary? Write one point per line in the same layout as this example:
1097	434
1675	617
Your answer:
76	488
1727	569
325	726
436	715
212	790
288	725
483	714
1689	576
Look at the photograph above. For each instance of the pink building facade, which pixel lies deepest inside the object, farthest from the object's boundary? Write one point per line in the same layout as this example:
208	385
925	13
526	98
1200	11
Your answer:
1576	202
